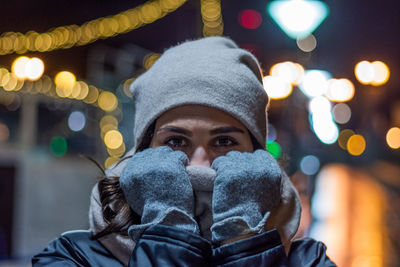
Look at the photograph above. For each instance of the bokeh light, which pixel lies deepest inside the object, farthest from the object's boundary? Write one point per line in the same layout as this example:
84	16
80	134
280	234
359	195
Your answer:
309	165
113	139
92	95
364	72
341	113
58	146
315	82
274	149
118	152
108	120
65	82
276	87
290	72
150	59
18	67
83	90
319	105
250	19
393	138
76	121
381	73
344	137
10	81
356	145
307	44
28	68
34	69
107	101
376	73
340	90
110	161
298	18
324	127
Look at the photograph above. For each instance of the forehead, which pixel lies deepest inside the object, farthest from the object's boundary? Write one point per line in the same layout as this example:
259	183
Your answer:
192	114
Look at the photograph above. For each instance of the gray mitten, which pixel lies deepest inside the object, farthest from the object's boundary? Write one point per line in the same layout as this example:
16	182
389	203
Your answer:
246	190
157	187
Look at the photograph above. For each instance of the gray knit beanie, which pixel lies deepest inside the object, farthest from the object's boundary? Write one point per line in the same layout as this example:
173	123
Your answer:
213	72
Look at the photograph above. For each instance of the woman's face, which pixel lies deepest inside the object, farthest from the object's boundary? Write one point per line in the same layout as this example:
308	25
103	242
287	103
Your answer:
203	133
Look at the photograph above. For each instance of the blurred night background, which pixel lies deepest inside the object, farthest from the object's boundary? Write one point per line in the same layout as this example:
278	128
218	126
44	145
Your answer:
334	115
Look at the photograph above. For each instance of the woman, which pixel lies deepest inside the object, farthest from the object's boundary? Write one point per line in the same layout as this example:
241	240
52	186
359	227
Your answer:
198	187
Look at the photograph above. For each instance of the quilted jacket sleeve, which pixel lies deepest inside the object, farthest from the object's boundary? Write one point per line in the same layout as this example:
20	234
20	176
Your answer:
74	248
162	245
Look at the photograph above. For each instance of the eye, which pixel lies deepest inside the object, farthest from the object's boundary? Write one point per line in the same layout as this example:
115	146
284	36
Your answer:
225	141
176	142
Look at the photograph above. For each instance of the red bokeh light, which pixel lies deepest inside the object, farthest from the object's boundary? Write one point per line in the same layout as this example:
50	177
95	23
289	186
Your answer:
250	19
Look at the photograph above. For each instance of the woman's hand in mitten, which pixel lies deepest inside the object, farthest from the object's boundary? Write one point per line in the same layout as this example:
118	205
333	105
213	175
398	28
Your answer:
246	189
157	187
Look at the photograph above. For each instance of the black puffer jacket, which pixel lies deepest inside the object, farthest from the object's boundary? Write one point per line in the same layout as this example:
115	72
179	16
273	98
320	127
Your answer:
168	246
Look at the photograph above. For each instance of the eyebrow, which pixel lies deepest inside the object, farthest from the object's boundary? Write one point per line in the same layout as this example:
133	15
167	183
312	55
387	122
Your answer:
221	130
176	130
224	130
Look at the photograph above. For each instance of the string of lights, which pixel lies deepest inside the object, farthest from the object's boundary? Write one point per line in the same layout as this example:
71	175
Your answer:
212	17
64	37
65	86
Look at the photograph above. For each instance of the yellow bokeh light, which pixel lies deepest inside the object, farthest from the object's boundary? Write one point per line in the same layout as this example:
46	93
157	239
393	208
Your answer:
18	67
364	72
106	128
150	59
110	161
381	73
10	81
84	90
65	80
5	77
76	90
356	145
113	139
3	72
127	85
210	10
107	101
344	137
46	84
108	120
393	138
340	90
211	17
117	152
92	95
276	87
19	85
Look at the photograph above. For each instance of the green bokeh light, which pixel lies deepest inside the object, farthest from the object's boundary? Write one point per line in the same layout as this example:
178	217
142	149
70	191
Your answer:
275	149
58	146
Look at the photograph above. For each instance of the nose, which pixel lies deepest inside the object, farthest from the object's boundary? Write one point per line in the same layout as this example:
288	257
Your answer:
200	156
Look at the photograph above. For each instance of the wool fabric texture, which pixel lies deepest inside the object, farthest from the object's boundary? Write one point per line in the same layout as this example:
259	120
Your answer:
213	72
202	180
247	189
160	193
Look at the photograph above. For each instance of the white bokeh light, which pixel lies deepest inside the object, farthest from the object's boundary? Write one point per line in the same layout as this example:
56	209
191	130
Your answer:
315	82
76	121
309	165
